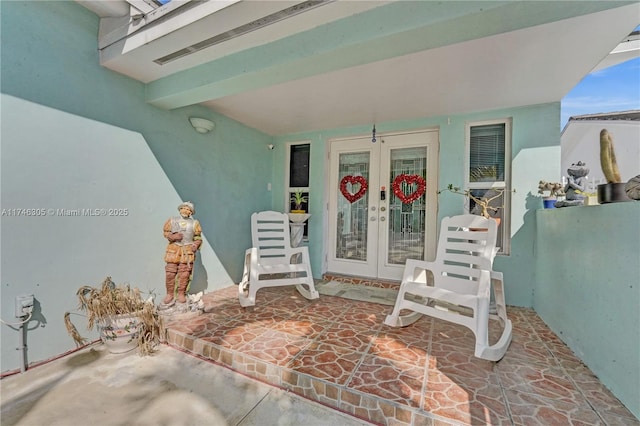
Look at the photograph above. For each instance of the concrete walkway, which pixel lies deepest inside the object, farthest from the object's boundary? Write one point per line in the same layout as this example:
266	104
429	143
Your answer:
94	387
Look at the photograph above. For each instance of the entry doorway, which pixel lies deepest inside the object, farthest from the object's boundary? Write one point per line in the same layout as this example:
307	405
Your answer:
382	203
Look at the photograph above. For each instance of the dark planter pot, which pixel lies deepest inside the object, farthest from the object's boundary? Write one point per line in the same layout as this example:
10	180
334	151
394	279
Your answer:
612	193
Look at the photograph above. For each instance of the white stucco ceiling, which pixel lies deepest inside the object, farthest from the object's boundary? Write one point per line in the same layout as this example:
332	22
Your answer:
523	64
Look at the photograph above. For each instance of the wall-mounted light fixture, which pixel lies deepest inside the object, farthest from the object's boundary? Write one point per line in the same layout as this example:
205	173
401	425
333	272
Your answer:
202	125
270	146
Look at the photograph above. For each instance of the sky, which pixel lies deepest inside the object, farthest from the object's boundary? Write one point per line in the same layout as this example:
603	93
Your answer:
612	89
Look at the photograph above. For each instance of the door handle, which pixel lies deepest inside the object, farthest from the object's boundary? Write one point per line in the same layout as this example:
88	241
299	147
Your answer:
382	219
372	218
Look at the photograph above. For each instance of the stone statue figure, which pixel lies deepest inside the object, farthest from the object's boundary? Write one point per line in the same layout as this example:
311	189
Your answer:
185	237
576	184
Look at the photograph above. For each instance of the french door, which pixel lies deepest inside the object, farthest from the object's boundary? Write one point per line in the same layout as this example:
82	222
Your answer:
382	203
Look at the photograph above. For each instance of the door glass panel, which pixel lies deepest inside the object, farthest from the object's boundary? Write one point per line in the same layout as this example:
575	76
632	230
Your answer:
407	219
353	202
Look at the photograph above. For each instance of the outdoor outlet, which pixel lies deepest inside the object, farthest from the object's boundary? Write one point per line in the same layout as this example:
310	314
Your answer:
24	305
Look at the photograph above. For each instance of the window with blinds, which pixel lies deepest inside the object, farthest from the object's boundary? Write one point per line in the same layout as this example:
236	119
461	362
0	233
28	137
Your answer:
487	153
488	156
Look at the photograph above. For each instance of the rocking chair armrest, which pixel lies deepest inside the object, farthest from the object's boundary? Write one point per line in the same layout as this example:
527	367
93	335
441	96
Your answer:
412	265
484	283
291	251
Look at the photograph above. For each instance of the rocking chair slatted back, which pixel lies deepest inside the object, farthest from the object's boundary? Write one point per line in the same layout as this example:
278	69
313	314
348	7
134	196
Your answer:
271	235
464	253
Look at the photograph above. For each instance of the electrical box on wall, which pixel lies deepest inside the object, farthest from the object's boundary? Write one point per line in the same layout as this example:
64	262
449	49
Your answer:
24	305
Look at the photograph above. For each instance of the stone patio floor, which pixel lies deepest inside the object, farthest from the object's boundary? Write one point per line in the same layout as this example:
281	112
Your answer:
338	352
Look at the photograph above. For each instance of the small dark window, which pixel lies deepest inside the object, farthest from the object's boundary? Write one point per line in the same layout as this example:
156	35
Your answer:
299	166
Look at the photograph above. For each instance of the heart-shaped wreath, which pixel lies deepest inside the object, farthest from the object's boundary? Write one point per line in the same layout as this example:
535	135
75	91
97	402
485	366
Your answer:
353	180
410	180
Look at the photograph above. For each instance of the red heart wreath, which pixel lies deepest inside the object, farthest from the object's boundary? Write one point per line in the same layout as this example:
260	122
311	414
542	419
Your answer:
352	198
409	179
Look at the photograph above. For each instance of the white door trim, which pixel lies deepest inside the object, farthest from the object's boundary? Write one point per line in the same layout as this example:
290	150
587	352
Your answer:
433	161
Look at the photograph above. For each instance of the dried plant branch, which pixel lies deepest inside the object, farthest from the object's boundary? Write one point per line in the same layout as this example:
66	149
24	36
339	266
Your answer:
110	300
482	202
73	332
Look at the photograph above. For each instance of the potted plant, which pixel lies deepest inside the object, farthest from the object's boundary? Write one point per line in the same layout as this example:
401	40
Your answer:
298	199
550	192
484	205
124	319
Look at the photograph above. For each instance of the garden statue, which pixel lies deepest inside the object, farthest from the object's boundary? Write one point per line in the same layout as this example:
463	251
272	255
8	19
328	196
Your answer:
184	235
575	185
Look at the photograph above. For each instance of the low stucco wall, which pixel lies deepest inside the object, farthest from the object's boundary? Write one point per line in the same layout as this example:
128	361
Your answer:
588	289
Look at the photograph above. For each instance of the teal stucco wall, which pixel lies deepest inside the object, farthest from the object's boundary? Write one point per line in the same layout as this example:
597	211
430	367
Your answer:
588	289
76	135
535	155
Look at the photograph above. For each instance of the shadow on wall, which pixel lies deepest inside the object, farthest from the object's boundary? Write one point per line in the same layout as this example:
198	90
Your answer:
519	267
200	278
92	199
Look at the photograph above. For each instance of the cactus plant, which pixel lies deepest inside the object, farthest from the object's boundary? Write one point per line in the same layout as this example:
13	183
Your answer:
608	158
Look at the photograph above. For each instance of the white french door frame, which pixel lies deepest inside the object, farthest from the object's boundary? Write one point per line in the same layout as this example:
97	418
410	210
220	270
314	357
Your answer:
375	265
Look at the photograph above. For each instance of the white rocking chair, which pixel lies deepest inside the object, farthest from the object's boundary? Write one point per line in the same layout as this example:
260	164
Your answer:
460	289
272	262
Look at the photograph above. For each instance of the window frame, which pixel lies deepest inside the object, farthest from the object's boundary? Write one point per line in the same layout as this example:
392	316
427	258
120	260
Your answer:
505	242
288	190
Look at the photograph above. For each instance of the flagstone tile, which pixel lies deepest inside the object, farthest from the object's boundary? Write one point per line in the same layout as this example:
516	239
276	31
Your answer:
334	364
465	399
259	319
528	353
417	334
274	347
327	310
362	318
396	350
394	381
376	308
224	308
348	336
548	382
452	334
233	334
302	325
533	409
599	397
461	363
291	302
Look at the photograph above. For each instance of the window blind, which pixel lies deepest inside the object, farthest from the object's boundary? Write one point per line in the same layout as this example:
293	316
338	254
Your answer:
487	153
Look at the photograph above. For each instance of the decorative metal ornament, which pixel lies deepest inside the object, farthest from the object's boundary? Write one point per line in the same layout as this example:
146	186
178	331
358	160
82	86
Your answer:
353	180
405	181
